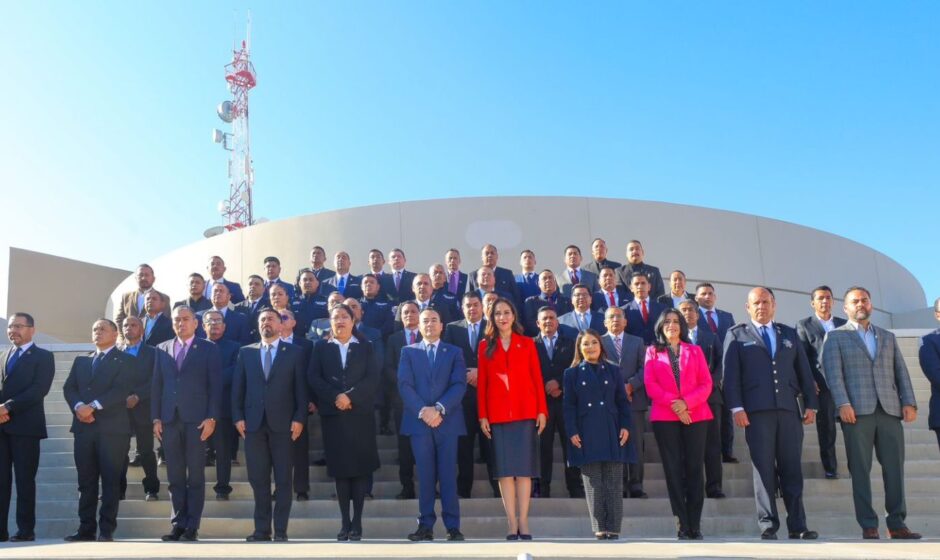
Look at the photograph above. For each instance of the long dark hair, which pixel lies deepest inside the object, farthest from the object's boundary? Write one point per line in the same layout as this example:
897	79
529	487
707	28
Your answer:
491	335
578	357
661	343
355	332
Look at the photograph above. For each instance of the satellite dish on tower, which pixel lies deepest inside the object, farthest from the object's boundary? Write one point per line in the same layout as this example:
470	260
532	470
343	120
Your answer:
224	110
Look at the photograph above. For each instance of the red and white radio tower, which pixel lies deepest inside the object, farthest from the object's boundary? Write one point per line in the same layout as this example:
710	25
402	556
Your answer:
237	210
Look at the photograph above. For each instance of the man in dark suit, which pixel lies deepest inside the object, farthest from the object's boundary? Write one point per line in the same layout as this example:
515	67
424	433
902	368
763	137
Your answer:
256	300
96	392
548	297
581	318
300	448
527	280
677	293
311	303
197	290
236	324
138	408
872	390
765	371
812	332
410	334
441	295
342	281
269	407
599	260
635	255
376	311
223	444
556	352
643	311
132	303
397	283
431	382
574	274
424	297
26	373
456	280
708	342
157	325
504	281
272	272
318	264
929	357
486	284
630	353
609	293
718	322
466	335
186	400
216	268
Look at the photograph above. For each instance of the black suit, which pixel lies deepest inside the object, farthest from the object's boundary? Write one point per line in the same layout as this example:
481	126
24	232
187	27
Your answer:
625	273
269	404
406	458
596	267
141	425
457	333
711	348
505	284
530	313
667	301
161	331
352	288
100	447
224	440
404	292
300	448
250	310
553	369
812	335
22	390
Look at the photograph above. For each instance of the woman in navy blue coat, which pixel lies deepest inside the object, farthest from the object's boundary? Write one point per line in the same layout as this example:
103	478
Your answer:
598	419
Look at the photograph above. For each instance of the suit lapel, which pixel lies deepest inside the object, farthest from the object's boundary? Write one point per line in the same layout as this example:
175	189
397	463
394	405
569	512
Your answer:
752	332
857	340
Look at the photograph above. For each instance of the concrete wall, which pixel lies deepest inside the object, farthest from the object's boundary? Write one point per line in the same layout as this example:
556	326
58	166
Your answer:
37	285
734	251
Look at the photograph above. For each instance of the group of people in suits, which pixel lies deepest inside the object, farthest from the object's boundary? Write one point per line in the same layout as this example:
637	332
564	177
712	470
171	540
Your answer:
489	362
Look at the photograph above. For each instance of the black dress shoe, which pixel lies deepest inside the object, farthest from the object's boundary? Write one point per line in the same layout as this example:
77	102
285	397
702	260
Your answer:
105	537
385	431
355	536
579	493
729	459
302	496
454	535
406	494
343	535
717	495
769	535
258	537
683	535
639	494
280	537
421	534
135	463
20	537
74	537
461	495
696	535
319	463
221	496
4	537
190	535
804	535
174	535
612	536
151	497
122	497
832	476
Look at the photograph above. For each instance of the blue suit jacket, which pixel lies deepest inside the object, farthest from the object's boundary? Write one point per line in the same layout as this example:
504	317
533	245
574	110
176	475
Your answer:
228	350
420	385
596	408
195	392
634	315
109	385
235	289
756	381
724	319
23	389
352	289
929	356
237	328
278	400
568	323
528	288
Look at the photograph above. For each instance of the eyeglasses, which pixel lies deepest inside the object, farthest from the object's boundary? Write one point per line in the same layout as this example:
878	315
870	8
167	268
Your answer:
214	322
18	326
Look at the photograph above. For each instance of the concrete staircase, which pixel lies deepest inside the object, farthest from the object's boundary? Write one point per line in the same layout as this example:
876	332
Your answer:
828	502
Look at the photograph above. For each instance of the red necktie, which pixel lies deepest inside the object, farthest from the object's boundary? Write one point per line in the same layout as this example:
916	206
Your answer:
612	302
711	321
645	311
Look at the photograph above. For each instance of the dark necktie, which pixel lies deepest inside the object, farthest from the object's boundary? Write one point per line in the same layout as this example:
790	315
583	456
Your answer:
268	360
99	357
431	355
574	277
14	357
549	347
341	285
766	336
180	357
397	280
452	285
412	337
618	346
710	317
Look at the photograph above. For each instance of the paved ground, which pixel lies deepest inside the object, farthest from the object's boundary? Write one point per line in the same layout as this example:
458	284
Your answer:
561	548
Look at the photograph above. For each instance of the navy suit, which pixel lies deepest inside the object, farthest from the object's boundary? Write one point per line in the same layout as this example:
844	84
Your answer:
530	312
234	290
300	449
161	331
929	356
505	285
224	440
812	335
712	351
236	327
421	384
767	387
22	390
100	447
632	359
352	288
528	286
625	274
289	288
181	399
404	291
269	405
596	267
553	369
462	280
406	458
600	301
723	322
141	425
377	313
569	326
250	311
635	325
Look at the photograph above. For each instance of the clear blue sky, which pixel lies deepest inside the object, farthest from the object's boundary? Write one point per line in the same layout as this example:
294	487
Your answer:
825	114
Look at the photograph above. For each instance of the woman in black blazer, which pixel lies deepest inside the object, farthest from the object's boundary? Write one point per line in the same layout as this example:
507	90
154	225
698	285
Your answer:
343	377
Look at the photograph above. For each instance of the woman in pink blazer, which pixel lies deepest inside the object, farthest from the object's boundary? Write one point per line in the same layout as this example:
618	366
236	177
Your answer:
678	384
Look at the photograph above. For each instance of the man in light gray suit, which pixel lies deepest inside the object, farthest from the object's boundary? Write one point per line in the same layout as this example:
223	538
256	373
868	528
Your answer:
574	274
630	352
872	392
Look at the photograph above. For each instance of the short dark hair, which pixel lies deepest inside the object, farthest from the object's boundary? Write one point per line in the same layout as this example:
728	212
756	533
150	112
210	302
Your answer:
545	308
471	295
368	275
401	306
315	247
111	323
524	251
26	317
579	286
452	249
397	250
253	276
701	285
856	288
145	265
197	275
377	251
575	247
822	288
217	257
275	260
435	311
269	310
638	273
679	271
610	268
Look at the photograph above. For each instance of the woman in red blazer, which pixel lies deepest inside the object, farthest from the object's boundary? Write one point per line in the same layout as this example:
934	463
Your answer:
678	383
512	410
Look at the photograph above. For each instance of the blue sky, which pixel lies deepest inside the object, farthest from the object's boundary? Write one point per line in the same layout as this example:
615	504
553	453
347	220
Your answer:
822	114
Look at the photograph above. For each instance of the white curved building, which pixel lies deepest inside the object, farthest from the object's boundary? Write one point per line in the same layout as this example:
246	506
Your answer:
733	251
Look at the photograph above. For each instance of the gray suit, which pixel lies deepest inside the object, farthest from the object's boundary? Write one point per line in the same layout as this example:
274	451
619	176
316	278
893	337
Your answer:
585	277
877	388
632	359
